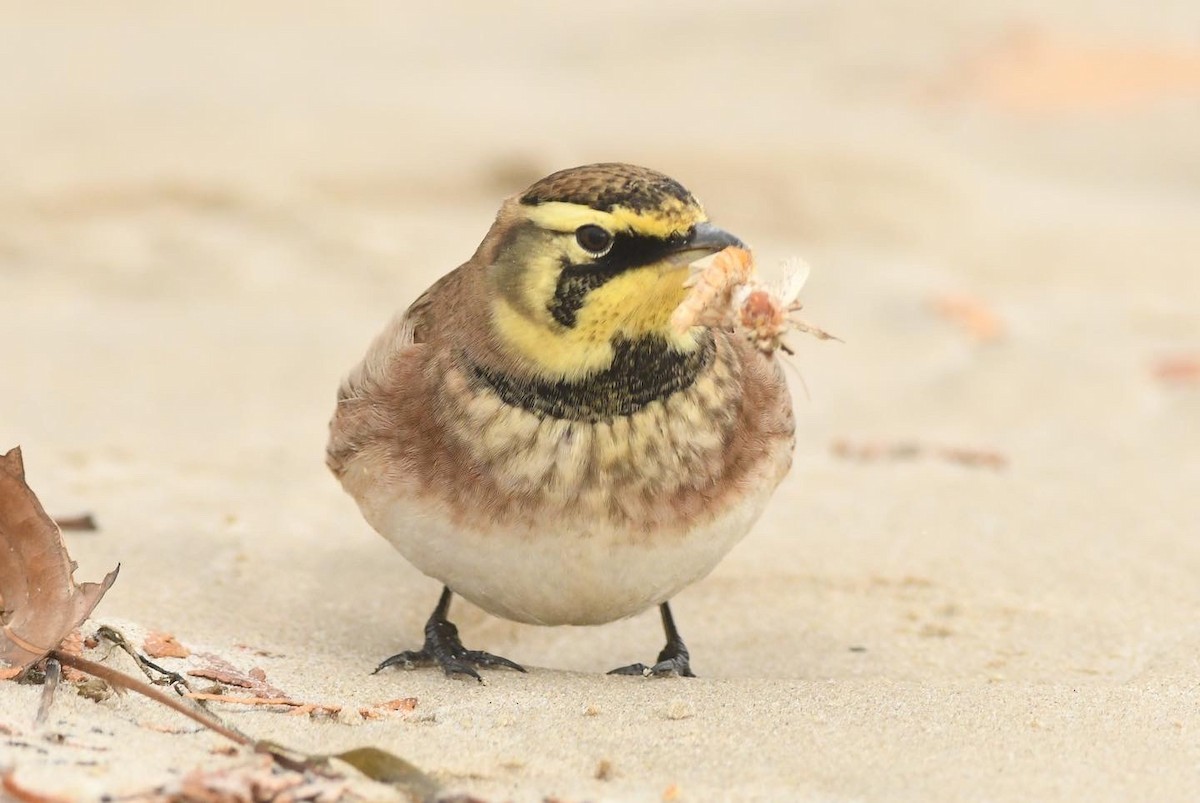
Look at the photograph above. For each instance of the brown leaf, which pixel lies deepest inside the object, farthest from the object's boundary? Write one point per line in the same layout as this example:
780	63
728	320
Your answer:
231	698
73	645
297	707
402	704
260	781
222	671
42	602
384	767
164	645
380	710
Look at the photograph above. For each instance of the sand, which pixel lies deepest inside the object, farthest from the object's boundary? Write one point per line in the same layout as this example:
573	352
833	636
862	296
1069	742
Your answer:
205	215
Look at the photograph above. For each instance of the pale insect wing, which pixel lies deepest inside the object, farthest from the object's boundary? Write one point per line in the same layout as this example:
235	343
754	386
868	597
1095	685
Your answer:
739	294
795	275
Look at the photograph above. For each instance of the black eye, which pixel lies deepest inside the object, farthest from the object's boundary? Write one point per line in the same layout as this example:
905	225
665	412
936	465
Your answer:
593	239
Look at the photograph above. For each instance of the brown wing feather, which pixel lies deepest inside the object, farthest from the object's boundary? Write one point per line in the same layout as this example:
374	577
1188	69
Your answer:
403	339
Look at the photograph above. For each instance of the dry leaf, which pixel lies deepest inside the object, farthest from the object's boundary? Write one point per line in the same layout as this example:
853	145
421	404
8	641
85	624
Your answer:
40	605
384	767
164	645
233	698
260	782
73	645
41	601
220	670
403	704
379	710
298	708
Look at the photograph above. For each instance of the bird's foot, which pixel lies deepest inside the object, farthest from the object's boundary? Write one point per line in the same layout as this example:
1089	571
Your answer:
444	648
672	662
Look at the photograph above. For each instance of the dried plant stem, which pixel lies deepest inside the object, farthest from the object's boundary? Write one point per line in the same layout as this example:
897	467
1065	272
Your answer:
122	681
229	698
83	523
145	664
53	676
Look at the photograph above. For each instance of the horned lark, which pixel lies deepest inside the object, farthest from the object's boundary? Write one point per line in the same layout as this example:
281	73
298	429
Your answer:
534	434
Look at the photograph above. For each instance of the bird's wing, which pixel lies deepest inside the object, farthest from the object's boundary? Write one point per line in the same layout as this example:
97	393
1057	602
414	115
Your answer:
391	363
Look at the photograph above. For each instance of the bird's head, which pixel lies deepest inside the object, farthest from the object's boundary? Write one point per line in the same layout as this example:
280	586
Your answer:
590	255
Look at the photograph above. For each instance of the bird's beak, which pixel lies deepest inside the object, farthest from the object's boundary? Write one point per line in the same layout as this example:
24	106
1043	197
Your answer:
704	240
712	239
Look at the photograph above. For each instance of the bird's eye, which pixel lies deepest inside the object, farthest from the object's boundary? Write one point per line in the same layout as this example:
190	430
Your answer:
593	239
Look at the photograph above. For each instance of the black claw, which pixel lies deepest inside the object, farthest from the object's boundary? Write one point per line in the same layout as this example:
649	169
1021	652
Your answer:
452	668
673	661
408	659
674	667
443	648
487	659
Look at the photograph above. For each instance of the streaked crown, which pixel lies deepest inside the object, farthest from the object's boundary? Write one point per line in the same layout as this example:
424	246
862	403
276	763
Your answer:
608	185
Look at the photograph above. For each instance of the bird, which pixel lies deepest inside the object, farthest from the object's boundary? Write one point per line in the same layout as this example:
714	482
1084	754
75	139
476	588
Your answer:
532	433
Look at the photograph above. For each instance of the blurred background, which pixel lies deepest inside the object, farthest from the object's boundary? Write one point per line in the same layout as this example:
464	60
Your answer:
206	212
983	566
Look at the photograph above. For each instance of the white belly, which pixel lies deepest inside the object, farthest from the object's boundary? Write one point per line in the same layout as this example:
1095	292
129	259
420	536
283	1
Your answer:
566	573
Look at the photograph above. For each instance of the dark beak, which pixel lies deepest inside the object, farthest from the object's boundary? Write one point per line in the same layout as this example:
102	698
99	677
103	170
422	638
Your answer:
707	237
704	240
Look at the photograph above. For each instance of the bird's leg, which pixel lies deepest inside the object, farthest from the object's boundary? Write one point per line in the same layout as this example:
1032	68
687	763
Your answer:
443	648
673	660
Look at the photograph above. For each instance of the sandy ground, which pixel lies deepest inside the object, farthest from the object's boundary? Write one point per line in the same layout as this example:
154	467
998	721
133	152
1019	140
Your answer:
205	216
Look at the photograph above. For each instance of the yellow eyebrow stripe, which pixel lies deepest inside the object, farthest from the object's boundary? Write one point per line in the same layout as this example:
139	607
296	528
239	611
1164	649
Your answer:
559	216
674	218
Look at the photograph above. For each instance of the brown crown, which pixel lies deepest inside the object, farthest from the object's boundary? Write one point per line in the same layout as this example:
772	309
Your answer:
603	186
